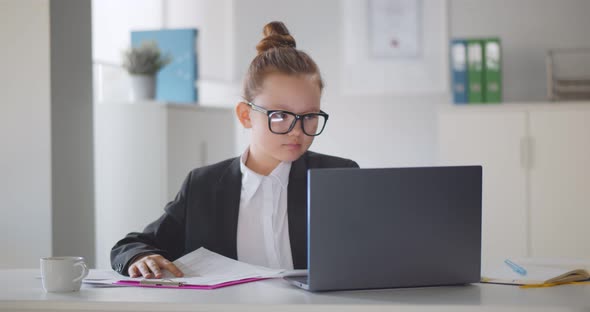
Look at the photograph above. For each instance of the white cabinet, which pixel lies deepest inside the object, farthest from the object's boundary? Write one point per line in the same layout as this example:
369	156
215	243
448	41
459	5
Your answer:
197	137
536	174
560	182
492	140
143	152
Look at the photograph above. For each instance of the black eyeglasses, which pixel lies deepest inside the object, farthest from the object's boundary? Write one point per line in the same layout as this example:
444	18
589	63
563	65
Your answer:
282	122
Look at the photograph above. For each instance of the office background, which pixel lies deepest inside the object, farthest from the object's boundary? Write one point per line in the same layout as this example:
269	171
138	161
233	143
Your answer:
47	113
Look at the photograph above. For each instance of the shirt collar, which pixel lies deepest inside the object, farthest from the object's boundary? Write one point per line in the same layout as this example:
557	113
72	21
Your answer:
281	173
251	180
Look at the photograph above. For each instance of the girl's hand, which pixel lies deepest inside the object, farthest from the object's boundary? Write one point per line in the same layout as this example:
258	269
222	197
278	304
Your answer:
151	266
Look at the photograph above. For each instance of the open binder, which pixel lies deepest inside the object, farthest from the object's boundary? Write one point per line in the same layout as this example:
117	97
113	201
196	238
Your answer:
539	273
204	269
180	284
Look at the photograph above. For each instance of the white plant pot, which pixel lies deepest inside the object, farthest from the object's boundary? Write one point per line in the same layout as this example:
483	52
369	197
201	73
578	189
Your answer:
143	87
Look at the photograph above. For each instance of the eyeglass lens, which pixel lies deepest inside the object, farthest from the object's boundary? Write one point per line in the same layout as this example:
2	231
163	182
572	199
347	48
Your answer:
281	122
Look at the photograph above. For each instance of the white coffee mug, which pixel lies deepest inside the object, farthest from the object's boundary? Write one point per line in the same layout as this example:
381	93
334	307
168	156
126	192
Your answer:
63	274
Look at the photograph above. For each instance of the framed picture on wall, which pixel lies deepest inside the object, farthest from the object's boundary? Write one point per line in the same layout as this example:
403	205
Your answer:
394	28
394	47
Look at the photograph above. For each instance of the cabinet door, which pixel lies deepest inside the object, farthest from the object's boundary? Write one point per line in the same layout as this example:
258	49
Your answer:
560	183
492	139
196	138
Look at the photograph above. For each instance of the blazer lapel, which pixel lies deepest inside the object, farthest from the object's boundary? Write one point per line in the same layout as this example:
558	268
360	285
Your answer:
228	192
297	211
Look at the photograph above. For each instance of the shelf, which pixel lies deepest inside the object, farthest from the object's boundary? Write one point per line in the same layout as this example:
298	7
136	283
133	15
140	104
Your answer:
169	105
516	106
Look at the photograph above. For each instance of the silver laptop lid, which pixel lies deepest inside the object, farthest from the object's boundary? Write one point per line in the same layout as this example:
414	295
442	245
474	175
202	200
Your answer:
394	227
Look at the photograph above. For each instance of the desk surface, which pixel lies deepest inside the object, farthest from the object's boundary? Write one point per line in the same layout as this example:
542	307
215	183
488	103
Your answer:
21	290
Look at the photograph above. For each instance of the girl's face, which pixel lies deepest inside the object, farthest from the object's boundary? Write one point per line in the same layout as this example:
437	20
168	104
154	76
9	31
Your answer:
297	94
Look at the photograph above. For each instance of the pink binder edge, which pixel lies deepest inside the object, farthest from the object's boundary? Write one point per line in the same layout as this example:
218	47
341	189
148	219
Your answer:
189	286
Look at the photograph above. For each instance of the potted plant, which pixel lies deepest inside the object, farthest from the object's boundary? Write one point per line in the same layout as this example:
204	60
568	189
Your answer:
143	63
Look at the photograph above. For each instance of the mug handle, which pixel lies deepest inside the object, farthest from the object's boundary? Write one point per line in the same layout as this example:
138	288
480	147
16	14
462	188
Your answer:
85	271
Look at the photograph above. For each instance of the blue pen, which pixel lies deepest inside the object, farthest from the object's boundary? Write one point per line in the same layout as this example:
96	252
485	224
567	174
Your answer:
515	267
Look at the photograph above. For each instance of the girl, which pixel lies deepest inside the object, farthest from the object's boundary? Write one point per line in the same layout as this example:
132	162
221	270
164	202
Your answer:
250	208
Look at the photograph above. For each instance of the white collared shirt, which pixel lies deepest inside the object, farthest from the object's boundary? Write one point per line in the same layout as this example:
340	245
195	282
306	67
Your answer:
263	227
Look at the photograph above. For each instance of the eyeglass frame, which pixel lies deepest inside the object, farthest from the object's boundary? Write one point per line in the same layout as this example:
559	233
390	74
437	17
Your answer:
269	112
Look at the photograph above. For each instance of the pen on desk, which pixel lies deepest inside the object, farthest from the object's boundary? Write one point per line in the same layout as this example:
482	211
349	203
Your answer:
515	267
161	282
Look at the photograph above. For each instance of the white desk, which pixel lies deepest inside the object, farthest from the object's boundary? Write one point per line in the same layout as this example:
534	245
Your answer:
20	290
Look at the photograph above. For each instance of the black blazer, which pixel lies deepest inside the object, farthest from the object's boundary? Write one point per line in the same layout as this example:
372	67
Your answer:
205	214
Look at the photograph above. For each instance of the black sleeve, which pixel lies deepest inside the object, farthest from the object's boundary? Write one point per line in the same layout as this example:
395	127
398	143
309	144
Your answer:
316	160
164	236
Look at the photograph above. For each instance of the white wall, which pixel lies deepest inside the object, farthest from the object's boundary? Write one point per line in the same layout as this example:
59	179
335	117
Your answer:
112	21
376	131
214	21
25	159
400	131
528	28
229	30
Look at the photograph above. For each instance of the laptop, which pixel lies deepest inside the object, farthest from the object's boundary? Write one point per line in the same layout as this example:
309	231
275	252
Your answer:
392	227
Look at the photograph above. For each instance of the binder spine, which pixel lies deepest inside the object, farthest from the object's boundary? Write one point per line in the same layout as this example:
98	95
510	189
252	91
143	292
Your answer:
492	70
459	77
475	71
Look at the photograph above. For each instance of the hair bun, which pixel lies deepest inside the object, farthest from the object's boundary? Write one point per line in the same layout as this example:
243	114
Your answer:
276	35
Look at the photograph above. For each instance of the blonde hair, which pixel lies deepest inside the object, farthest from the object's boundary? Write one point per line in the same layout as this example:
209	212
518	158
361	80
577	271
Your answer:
277	53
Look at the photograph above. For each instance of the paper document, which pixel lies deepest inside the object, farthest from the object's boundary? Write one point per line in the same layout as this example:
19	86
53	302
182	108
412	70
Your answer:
204	267
99	275
538	270
102	278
